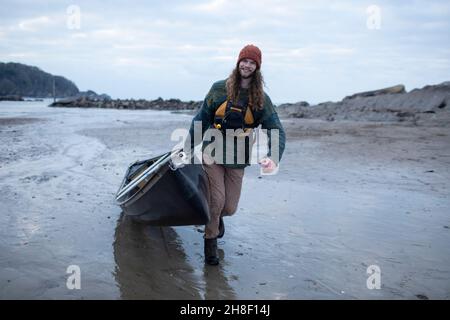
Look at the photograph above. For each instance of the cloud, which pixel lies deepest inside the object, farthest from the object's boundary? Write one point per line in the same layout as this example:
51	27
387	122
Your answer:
313	51
242	8
34	24
224	58
18	55
211	6
190	43
117	34
435	25
79	35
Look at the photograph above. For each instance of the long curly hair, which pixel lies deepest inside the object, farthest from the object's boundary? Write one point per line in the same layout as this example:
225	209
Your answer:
256	91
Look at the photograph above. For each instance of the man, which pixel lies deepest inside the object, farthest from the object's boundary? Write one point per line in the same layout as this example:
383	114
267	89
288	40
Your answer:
234	107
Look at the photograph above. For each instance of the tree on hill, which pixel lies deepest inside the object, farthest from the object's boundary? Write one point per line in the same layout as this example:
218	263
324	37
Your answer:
29	81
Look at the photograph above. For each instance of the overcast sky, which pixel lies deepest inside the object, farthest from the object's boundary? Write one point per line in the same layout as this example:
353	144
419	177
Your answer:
312	50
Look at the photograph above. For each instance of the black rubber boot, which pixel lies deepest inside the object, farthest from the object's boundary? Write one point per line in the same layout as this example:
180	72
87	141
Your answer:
221	228
211	256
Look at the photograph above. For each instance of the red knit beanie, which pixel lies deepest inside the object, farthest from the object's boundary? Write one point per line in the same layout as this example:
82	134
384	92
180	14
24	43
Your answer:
251	52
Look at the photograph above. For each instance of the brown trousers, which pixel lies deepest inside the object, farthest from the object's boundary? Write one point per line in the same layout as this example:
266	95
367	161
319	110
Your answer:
225	186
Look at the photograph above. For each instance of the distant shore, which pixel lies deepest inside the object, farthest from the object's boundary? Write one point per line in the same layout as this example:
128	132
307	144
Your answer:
427	106
131	104
11	98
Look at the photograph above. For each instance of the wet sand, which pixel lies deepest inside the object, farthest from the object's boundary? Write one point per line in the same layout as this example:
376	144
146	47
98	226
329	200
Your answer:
348	195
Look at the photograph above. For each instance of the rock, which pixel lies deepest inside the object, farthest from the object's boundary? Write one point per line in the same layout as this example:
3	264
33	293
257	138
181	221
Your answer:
92	95
293	110
392	90
158	104
300	104
426	106
11	98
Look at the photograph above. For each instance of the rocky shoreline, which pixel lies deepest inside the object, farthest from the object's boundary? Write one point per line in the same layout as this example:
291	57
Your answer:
426	106
11	98
130	104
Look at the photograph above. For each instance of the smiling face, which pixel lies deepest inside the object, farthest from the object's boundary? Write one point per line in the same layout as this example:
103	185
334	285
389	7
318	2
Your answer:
247	67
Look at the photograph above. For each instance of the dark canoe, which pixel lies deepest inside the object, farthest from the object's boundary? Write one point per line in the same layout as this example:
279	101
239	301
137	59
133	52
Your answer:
156	192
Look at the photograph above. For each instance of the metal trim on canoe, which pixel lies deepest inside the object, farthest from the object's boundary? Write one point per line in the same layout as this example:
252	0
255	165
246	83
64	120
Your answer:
144	176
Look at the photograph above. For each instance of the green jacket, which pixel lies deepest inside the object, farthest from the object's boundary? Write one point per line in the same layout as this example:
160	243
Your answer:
267	117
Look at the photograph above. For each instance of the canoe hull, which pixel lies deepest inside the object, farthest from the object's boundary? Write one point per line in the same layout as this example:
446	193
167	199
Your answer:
178	197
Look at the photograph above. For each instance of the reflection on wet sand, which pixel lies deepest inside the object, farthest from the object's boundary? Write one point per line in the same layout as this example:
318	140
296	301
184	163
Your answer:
151	263
216	283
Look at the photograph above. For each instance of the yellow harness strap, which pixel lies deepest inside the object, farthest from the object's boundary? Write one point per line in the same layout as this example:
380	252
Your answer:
249	120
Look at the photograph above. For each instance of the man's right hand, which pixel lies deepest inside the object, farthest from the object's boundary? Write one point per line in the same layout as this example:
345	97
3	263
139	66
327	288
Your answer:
268	166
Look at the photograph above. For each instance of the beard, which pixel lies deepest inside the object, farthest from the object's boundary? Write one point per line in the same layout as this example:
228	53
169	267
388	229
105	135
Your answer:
246	77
